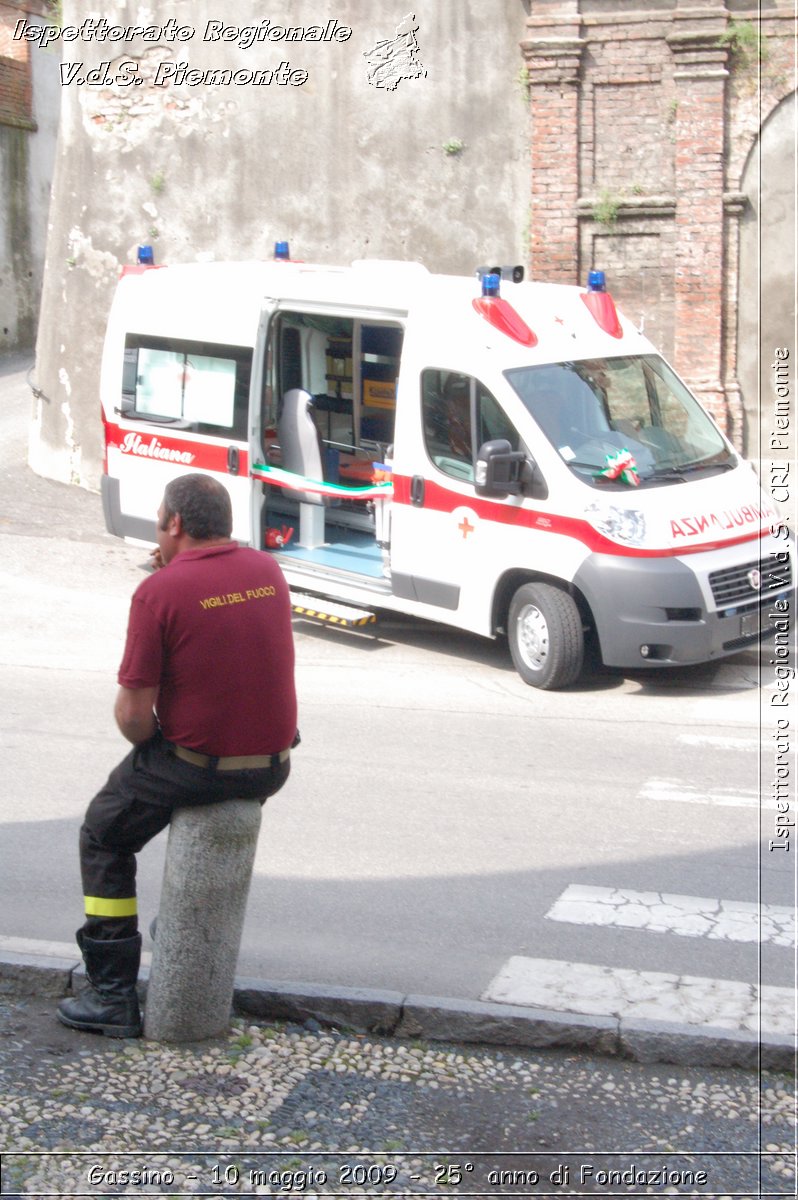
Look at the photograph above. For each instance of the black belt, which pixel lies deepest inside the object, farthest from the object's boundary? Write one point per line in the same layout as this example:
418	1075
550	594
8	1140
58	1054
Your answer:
236	762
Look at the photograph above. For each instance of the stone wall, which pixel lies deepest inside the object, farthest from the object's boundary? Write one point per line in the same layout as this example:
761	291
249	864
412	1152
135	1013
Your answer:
341	164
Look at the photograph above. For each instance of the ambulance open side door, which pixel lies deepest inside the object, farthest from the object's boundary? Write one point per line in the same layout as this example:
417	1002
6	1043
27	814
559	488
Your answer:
262	418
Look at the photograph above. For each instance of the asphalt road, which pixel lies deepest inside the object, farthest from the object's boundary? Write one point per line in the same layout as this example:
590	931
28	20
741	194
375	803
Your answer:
438	808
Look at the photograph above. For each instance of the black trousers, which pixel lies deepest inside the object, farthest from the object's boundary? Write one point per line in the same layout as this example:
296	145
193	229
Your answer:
135	804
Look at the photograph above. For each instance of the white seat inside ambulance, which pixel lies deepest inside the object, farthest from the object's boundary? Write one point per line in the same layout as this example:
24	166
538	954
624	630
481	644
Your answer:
300	443
302	451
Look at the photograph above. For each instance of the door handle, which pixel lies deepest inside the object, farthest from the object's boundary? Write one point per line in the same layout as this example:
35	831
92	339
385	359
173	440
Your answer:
417	490
232	460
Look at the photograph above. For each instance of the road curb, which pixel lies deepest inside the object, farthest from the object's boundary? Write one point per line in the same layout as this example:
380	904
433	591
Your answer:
435	1018
26	974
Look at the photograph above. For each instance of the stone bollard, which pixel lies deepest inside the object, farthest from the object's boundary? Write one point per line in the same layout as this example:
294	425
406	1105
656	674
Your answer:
209	858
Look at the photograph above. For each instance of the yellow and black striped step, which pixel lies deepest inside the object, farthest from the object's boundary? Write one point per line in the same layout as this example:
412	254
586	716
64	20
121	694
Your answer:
314	608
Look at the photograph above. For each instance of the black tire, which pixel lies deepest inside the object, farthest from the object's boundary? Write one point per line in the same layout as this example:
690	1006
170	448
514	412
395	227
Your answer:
547	642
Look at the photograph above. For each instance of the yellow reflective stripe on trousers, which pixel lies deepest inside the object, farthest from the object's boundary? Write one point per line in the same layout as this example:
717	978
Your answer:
101	906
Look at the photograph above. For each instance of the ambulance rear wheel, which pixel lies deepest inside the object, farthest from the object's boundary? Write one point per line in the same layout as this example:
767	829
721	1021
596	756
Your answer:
547	642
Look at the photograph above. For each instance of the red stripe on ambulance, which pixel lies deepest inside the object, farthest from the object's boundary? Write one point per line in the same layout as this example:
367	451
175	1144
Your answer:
440	499
200	455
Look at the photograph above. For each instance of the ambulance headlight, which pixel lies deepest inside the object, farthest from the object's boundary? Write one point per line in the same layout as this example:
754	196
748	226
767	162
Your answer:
627	525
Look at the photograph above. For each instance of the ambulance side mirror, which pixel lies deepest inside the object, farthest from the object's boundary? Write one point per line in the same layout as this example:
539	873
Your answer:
500	469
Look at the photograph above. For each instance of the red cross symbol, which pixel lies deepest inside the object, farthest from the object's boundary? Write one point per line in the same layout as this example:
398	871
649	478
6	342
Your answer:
466	527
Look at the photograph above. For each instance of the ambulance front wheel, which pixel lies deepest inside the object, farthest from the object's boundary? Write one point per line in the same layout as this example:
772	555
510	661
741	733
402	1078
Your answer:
546	638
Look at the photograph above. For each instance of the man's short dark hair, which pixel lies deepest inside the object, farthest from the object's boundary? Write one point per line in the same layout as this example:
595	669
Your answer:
203	505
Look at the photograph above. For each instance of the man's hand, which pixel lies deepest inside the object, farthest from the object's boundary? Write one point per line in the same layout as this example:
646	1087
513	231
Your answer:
135	713
156	558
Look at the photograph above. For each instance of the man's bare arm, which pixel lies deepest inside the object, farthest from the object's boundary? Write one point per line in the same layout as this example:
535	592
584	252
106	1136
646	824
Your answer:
134	713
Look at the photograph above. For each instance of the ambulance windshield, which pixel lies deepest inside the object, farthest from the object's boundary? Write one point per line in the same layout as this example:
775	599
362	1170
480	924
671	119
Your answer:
599	413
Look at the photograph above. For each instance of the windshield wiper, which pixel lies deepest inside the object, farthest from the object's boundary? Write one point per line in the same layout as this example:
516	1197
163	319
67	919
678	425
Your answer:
674	472
667	473
587	466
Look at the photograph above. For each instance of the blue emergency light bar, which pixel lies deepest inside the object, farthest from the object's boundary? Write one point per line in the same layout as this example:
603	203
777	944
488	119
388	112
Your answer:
596	281
145	256
281	251
490	285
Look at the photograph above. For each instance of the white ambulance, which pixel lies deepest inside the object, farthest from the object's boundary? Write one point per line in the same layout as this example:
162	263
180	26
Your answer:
508	458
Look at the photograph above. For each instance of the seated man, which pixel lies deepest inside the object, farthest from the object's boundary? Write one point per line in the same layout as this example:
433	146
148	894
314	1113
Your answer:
207	698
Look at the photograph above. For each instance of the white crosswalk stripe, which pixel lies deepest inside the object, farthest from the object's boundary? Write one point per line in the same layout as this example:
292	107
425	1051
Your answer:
591	990
686	916
719	742
674	790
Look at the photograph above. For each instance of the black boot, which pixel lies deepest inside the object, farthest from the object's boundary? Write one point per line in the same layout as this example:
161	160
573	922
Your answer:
109	1003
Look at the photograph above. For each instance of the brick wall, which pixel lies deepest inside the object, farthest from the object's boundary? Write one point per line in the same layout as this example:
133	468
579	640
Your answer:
16	93
553	52
641	125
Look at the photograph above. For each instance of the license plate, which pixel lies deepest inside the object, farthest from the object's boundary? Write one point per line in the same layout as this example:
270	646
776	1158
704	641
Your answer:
751	624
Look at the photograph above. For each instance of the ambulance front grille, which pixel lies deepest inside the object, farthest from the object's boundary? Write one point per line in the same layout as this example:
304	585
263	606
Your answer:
748	581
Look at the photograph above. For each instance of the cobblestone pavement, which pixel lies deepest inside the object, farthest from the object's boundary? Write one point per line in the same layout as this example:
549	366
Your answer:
288	1109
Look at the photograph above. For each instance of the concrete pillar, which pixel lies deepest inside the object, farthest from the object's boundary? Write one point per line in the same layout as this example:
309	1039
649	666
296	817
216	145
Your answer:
209	859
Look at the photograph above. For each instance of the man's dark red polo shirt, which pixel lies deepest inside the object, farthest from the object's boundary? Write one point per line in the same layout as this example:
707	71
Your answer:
212	631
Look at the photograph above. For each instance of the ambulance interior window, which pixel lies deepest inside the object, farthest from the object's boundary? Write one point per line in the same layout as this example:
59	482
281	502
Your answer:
459	414
312	352
348	366
282	370
290	359
591	409
198	386
380	352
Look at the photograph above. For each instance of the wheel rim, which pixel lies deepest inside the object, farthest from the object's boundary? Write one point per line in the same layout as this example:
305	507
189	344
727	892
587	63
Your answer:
533	637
